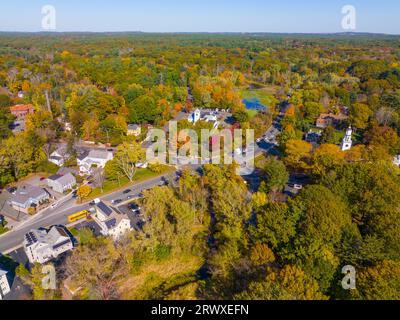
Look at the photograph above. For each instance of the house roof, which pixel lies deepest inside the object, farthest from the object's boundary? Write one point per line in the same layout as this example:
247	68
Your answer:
2	273
338	117
55	236
133	127
104	209
26	192
99	154
63	179
62	151
63	171
83	154
112	223
21	107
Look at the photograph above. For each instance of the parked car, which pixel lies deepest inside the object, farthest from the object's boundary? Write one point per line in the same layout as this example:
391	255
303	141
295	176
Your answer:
134	207
117	201
42	178
12	190
127	191
296	186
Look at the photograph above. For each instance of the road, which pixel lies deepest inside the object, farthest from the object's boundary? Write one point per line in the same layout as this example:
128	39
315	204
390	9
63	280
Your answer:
13	239
56	216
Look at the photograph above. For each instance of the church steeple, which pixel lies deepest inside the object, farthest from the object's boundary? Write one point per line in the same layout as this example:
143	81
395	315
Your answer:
347	142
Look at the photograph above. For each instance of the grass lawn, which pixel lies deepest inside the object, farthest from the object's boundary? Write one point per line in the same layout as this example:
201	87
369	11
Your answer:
252	113
141	175
3	229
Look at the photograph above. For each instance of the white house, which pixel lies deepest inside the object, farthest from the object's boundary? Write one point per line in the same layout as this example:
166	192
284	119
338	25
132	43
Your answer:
210	117
134	130
95	158
44	245
60	156
111	223
347	142
28	196
396	160
4	284
61	183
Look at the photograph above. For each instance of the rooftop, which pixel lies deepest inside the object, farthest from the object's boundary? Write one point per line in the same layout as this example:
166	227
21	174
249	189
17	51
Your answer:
21	107
133	127
104	209
26	192
63	179
55	236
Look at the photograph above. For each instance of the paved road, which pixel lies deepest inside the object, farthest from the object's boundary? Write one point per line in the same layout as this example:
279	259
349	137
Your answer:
55	216
59	215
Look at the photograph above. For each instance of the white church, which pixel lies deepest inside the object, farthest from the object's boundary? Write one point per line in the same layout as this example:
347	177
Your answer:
347	142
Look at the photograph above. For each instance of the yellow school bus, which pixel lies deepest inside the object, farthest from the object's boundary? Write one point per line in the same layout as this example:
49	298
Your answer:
79	216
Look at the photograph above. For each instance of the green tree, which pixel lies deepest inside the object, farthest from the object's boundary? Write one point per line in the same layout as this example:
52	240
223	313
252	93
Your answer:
276	174
289	283
381	282
128	155
359	115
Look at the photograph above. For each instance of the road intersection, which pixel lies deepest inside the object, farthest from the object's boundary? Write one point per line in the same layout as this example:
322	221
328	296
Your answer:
12	240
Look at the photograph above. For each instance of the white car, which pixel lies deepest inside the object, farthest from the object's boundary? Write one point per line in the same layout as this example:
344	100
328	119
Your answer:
142	165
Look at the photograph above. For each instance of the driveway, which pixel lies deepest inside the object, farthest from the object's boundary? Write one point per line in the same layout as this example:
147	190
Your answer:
9	212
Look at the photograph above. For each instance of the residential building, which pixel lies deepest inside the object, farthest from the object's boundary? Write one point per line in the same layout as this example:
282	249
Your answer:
60	156
210	117
329	119
94	158
64	170
28	196
347	142
111	222
61	183
4	284
134	130
396	160
43	245
313	136
20	111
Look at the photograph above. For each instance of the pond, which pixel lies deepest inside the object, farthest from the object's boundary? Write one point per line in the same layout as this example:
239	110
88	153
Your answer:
254	104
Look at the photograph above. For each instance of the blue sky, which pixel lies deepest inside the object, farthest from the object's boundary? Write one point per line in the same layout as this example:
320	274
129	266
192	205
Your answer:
380	16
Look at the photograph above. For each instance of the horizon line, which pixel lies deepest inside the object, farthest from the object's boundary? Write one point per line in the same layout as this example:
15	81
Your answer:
55	32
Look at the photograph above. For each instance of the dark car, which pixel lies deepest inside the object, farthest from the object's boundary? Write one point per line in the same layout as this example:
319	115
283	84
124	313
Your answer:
127	191
12	189
118	201
134	207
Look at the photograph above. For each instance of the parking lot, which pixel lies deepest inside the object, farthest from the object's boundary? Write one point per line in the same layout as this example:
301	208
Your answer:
132	210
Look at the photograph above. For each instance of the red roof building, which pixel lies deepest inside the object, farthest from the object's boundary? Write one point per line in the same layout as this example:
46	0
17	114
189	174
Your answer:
20	111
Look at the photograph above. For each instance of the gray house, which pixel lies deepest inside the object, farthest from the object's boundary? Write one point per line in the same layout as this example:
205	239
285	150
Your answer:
28	196
61	183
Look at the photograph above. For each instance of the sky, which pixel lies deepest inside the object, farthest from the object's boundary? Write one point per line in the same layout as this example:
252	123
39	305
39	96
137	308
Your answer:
293	16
